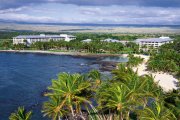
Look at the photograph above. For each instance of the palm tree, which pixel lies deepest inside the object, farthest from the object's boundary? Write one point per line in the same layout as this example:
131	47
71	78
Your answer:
148	89
116	97
142	87
172	101
134	61
71	93
50	108
122	73
6	44
20	114
95	78
157	111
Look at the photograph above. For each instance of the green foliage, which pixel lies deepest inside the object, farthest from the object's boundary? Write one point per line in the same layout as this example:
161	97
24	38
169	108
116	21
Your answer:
172	101
126	91
93	47
116	97
6	44
67	92
125	96
175	46
20	114
77	45
156	111
165	61
19	47
134	61
101	36
133	46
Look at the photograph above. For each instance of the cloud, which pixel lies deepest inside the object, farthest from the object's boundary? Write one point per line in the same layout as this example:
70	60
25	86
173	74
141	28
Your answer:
133	14
53	11
12	10
5	4
26	18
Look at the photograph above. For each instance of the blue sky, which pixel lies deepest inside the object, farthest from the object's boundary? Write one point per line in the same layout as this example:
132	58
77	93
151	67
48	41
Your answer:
166	12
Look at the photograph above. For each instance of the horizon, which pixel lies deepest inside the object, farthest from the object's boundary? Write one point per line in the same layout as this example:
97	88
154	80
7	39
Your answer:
85	24
98	12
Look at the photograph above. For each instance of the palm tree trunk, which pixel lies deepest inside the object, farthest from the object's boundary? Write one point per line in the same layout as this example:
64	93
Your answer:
145	102
121	116
81	115
127	117
111	116
72	111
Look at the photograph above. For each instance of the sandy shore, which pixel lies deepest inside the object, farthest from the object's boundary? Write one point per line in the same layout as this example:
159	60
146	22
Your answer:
165	80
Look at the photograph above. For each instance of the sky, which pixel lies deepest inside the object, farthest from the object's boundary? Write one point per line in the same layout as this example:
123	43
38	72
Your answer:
150	12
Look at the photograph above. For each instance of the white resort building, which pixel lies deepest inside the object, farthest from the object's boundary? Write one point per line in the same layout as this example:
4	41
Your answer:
110	40
87	41
124	42
29	39
145	44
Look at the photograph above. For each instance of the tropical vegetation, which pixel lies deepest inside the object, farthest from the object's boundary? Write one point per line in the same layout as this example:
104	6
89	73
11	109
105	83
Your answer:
21	114
167	59
134	61
124	96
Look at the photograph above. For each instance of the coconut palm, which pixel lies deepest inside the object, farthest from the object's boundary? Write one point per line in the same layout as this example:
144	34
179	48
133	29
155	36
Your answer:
116	97
51	108
20	114
142	87
134	61
95	78
122	73
172	101
145	88
156	111
71	92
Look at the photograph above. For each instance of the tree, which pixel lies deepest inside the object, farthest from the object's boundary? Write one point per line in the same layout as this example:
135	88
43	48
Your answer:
134	61
20	114
6	44
156	111
172	102
51	108
116	98
69	94
164	61
95	78
143	87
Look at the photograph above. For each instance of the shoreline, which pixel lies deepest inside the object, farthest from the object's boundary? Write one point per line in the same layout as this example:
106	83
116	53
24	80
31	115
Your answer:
165	80
167	85
90	55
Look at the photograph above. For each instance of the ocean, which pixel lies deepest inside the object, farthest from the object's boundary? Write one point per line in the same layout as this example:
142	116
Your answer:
24	77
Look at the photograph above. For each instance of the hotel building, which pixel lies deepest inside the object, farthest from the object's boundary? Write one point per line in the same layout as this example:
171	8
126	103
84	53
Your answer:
30	39
145	44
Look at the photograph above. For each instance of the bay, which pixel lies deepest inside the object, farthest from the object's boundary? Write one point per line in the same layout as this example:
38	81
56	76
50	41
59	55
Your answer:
24	77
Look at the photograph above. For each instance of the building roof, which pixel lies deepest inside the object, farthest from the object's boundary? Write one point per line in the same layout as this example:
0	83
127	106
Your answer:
159	40
87	40
65	35
41	36
110	40
124	42
71	36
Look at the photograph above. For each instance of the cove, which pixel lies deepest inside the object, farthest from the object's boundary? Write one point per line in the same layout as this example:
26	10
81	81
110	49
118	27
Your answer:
24	76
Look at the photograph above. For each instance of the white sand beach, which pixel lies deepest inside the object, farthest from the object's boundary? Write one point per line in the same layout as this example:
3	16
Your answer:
165	80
